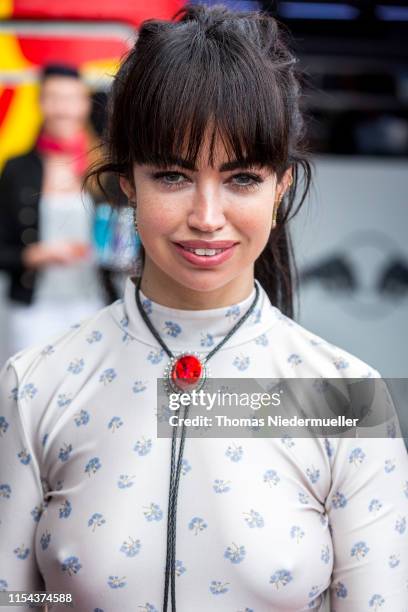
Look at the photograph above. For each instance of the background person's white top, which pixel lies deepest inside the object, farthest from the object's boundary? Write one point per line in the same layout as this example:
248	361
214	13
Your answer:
263	525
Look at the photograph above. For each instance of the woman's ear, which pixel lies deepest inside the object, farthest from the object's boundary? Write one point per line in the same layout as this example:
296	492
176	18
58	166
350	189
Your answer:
127	188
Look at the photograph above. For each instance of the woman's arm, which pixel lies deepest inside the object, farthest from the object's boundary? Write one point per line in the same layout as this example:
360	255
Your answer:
21	497
368	514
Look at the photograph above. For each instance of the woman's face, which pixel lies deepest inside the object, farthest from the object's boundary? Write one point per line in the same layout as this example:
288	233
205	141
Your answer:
179	204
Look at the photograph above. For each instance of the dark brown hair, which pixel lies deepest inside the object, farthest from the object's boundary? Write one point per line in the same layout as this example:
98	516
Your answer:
232	71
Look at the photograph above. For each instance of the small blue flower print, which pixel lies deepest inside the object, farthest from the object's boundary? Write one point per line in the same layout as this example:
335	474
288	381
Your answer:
59	485
65	452
143	447
262	340
96	520
125	481
218	588
233	313
287	441
94	336
339	500
241	362
14	394
328	447
124	321
171	329
314	591
76	366
357	456
391	430
130	547
374	506
313	474
303	497
325	554
359	550
107	376
115	423
294	359
389	466
21	552
139	386
45	540
116	583
185	467
271	477
376	602
155	356
340	363
164	413
81	418
3	425
147	608
296	533
47	350
153	512
253	519
406	489
179	568
38	510
5	491
340	590
65	509
3	585
221	486
63	400
92	466
29	391
235	553
71	565
281	578
320	385
197	524
393	561
401	524
147	306
206	339
24	456
255	317
234	452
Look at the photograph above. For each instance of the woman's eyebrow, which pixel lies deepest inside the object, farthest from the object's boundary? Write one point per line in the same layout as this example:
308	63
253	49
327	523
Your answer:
184	163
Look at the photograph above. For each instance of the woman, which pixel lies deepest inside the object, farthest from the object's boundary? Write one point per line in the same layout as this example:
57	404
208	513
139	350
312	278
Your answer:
206	136
45	220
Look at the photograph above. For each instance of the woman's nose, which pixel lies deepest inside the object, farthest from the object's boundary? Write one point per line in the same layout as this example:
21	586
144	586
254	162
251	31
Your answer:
207	213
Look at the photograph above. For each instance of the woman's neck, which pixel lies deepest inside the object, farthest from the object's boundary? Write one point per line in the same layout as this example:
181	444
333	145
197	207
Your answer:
164	290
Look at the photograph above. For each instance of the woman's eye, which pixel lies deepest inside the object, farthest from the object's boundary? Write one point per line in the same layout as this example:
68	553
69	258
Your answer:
246	181
170	178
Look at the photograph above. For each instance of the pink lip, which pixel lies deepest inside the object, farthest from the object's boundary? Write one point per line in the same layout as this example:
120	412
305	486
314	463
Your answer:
203	261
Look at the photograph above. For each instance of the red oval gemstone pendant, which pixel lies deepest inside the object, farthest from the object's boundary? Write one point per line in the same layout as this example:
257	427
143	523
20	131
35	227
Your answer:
185	372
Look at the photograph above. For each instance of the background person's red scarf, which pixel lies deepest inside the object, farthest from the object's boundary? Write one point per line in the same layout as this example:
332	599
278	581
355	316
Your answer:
77	146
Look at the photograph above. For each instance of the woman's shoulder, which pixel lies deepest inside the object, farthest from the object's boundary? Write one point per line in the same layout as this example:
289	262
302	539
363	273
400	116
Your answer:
312	355
68	353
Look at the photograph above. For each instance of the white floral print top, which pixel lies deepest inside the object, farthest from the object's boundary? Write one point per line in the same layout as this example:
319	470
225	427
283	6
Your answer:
263	525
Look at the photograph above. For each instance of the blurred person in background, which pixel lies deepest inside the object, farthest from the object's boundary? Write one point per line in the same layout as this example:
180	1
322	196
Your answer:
45	220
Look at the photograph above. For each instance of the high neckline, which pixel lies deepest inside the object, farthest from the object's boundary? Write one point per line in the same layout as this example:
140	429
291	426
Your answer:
198	330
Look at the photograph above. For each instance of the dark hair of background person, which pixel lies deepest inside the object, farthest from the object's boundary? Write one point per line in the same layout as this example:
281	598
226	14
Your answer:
233	72
55	69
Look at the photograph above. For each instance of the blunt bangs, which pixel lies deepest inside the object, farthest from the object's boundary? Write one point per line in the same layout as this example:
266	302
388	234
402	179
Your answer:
194	83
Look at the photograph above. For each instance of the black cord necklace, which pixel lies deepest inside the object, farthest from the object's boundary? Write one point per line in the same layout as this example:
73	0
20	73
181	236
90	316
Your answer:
183	372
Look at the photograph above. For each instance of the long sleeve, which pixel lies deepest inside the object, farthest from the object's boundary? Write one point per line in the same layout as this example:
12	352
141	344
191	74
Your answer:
21	498
368	511
10	248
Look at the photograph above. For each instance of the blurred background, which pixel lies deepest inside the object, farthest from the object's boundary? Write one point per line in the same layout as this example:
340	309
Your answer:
350	236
